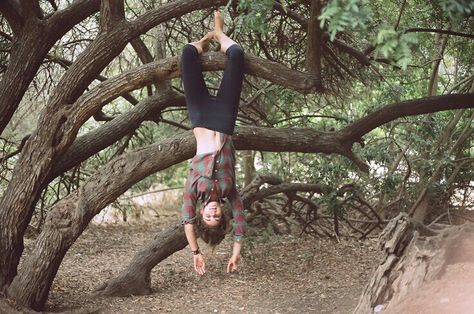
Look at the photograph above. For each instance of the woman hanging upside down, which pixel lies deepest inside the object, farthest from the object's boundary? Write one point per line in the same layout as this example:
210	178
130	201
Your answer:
211	179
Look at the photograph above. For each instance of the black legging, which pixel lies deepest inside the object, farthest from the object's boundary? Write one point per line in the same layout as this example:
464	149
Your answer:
218	112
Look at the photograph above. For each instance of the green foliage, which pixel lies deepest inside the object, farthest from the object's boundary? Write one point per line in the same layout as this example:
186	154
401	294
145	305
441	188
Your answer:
340	15
254	15
456	9
396	46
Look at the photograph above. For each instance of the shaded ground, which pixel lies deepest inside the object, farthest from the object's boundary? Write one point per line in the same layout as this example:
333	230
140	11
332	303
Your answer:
279	274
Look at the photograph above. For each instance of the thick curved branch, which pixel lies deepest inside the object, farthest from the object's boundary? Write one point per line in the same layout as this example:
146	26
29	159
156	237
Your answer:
107	134
356	130
309	140
67	63
135	278
12	13
111	12
107	45
71	215
92	101
168	68
439	31
314	47
74	13
31	9
32	47
52	138
285	188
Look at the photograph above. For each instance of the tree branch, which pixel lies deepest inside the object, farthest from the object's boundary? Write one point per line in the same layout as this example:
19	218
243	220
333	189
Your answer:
31	9
111	12
406	108
77	11
12	13
314	43
107	134
439	31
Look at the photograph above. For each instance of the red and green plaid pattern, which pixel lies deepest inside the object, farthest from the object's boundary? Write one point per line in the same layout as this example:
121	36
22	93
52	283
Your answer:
219	168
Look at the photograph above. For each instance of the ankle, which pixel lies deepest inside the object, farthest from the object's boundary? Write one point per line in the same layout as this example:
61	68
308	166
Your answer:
198	46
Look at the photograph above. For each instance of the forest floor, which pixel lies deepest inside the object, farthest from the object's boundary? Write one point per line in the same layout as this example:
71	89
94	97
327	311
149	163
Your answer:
279	274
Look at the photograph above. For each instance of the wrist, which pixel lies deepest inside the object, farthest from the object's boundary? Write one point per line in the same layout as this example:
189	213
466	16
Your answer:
196	251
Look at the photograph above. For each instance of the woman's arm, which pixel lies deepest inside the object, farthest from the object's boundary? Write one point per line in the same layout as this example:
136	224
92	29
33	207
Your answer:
240	222
198	260
239	228
235	258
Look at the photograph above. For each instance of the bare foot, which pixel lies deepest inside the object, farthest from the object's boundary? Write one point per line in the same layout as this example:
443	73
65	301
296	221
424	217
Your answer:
219	35
206	39
218	22
203	44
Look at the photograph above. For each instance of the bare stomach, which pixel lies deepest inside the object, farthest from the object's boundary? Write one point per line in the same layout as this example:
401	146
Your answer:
207	141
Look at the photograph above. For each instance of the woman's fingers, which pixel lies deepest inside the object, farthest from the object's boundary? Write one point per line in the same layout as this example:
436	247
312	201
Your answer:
231	267
199	265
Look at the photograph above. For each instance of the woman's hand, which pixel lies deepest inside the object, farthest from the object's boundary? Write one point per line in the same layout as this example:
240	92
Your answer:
233	262
199	265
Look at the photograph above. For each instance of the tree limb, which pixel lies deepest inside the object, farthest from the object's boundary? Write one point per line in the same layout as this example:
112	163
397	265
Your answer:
439	31
406	108
12	13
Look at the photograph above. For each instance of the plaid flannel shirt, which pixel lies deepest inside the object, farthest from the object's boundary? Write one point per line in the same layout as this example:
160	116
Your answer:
208	170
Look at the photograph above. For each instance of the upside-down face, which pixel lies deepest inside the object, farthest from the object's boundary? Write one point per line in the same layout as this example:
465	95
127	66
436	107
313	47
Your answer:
212	214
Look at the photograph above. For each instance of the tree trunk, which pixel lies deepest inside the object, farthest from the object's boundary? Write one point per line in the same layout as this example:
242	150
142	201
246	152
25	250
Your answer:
135	279
314	44
69	217
249	169
423	204
59	124
35	39
414	255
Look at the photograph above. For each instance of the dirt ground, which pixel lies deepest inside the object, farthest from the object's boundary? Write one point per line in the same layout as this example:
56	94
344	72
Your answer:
279	274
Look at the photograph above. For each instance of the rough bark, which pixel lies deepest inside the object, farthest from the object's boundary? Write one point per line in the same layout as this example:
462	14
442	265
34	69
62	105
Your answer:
414	255
157	71
69	217
12	13
59	124
33	38
109	133
248	166
314	44
135	278
408	108
274	140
